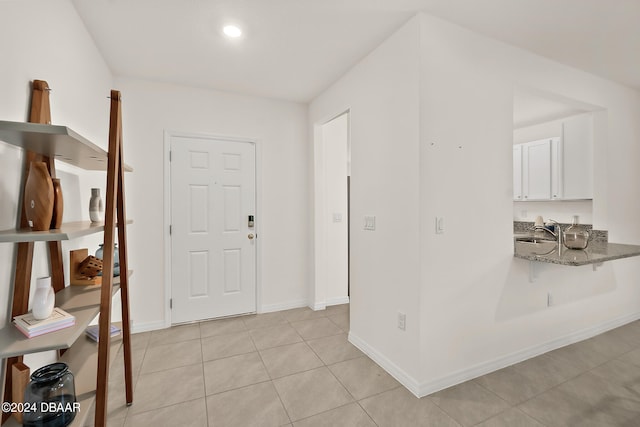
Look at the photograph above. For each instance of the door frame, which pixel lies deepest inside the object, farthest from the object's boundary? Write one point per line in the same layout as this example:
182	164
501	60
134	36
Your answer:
320	252
168	134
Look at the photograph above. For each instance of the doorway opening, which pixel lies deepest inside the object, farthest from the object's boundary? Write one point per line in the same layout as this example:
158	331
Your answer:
332	219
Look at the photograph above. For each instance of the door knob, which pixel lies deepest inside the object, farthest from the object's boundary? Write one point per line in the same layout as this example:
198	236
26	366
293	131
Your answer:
250	236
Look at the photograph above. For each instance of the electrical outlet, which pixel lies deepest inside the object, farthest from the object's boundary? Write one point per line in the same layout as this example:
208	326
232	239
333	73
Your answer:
402	321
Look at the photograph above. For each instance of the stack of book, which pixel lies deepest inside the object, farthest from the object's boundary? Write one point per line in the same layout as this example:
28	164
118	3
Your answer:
32	327
93	331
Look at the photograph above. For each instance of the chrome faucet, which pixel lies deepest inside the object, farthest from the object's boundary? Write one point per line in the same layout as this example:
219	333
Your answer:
557	234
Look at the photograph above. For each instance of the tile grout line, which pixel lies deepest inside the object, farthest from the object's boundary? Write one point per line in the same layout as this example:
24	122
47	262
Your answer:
303	340
359	402
570	379
271	381
443	410
574	377
517	406
137	377
168	406
368	414
204	378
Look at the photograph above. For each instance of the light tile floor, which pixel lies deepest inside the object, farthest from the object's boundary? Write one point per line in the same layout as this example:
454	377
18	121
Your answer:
296	368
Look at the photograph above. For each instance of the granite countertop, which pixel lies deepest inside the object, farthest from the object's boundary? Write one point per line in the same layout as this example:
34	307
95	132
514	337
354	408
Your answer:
595	253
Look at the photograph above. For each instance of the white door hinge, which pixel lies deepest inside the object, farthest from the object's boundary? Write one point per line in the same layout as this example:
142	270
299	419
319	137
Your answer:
170	229
171	303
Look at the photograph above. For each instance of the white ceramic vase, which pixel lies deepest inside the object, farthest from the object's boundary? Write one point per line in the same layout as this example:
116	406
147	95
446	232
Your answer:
44	299
96	208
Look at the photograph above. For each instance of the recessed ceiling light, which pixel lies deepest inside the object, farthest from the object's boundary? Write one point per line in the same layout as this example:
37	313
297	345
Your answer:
232	31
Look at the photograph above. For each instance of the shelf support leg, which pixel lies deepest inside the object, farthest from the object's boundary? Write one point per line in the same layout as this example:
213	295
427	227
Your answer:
40	112
124	280
21	285
104	344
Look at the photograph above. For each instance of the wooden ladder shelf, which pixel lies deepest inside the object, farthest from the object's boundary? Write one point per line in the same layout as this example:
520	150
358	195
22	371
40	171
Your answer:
15	346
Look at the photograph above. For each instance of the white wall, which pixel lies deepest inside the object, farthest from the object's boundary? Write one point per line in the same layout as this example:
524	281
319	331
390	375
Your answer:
282	217
335	138
382	95
62	53
451	150
479	311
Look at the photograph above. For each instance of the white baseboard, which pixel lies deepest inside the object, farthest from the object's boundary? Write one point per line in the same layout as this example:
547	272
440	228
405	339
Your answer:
147	326
160	324
423	389
392	369
319	306
518	356
337	301
268	308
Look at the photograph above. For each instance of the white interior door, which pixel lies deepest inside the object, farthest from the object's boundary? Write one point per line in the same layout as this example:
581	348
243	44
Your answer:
213	252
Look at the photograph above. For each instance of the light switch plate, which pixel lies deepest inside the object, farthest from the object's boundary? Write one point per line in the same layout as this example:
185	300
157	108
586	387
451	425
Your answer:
439	225
337	217
402	321
369	223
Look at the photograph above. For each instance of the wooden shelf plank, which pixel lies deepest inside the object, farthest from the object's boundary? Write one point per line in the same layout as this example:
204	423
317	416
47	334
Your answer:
81	301
67	231
56	142
82	360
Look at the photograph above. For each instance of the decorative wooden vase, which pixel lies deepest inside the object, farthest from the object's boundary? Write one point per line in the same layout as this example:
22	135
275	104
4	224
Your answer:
38	197
58	204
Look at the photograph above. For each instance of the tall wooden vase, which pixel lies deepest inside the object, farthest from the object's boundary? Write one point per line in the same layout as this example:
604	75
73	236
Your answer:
58	204
39	197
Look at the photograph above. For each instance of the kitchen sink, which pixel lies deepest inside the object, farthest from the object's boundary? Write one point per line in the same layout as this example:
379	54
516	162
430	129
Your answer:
536	240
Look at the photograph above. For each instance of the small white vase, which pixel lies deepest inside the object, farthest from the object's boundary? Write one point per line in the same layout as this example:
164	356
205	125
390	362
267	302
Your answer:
96	208
44	299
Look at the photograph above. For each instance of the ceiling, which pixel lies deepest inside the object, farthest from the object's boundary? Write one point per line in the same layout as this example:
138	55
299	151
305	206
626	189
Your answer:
294	49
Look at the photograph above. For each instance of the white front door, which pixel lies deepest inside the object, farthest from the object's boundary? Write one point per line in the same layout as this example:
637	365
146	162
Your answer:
213	249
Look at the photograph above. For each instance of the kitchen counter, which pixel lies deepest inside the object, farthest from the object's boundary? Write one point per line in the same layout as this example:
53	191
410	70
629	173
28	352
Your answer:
595	253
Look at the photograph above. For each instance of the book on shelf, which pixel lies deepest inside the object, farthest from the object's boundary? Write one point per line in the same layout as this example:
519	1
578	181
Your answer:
93	332
32	327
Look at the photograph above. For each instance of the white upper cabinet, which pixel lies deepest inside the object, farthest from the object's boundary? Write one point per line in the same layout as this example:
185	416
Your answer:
556	168
536	170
